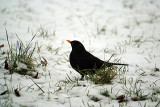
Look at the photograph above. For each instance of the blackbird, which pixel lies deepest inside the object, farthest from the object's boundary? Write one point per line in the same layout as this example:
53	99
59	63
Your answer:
84	62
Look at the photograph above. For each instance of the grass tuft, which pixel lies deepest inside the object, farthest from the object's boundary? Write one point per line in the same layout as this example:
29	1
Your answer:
104	75
20	58
135	90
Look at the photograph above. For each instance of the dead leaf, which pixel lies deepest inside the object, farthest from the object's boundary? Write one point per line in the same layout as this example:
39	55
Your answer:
59	89
134	99
121	97
17	93
123	100
1	45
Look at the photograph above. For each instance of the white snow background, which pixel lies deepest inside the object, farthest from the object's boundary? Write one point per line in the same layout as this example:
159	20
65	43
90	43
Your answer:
128	28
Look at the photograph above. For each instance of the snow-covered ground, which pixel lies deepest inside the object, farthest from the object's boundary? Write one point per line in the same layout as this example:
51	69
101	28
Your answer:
128	28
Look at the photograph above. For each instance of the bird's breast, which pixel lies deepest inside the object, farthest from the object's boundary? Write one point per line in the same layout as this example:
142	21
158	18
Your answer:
77	60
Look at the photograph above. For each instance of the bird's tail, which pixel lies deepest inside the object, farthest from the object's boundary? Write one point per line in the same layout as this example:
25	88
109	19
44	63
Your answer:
110	64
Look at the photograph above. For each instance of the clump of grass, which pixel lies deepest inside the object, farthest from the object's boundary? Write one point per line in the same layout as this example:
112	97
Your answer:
104	75
135	90
20	55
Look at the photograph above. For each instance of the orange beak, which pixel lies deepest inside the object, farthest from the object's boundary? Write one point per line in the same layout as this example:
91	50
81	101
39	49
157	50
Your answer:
68	41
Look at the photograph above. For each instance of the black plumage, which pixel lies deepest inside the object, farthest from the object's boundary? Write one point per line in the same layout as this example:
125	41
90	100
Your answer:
84	62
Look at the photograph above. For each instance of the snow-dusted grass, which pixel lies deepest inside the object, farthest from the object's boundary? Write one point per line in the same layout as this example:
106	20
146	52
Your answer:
129	29
19	58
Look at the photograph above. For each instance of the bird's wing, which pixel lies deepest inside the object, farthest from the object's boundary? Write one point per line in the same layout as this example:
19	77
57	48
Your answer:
92	61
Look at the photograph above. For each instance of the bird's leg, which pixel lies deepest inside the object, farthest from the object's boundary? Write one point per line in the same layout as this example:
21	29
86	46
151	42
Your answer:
82	76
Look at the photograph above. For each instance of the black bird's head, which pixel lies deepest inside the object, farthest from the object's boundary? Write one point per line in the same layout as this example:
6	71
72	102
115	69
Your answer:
76	46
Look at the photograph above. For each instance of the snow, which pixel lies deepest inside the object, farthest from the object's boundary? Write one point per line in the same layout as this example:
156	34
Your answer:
127	28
